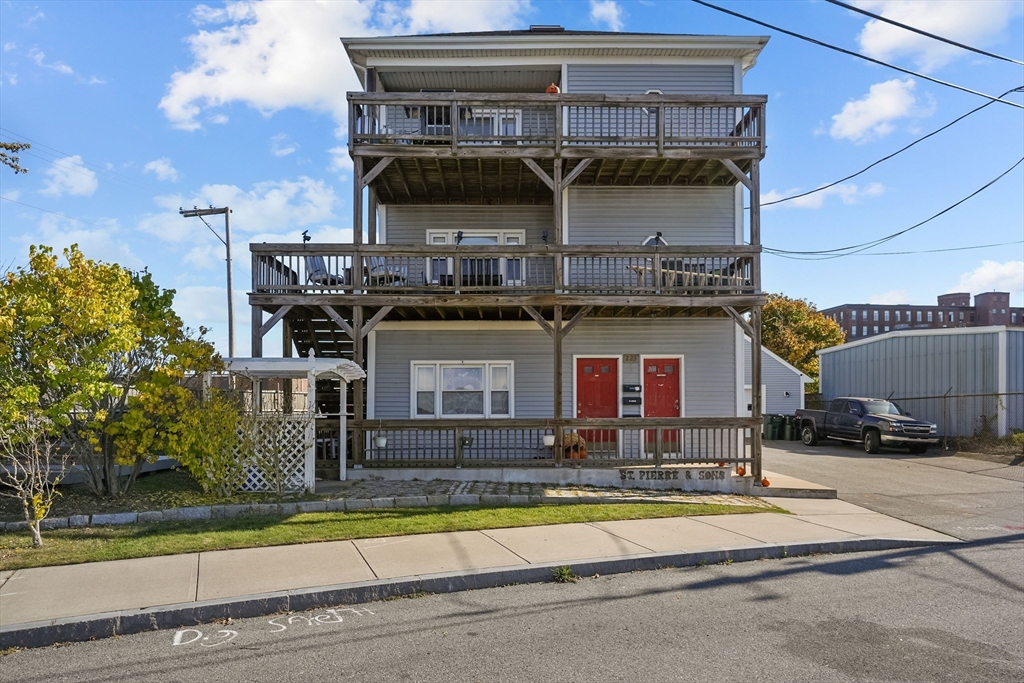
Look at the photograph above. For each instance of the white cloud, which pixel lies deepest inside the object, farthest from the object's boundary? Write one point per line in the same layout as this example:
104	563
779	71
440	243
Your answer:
848	193
102	242
71	176
269	206
994	276
606	12
341	162
281	145
447	16
980	23
10	46
207	306
162	168
11	78
275	55
60	67
892	297
871	116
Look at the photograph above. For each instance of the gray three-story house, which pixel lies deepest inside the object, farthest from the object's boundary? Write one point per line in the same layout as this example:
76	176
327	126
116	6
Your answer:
551	267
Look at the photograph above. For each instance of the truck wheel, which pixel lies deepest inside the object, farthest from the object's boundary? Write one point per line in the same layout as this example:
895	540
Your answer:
809	436
872	442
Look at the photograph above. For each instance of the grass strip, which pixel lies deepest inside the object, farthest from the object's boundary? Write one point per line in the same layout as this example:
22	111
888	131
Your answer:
75	546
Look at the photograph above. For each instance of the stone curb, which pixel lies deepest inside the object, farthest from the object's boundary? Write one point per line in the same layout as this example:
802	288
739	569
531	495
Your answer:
127	622
333	505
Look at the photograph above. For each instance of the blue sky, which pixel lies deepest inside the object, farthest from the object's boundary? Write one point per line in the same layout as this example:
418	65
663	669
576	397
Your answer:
136	109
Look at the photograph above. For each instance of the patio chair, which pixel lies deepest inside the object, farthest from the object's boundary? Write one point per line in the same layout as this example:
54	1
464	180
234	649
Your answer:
317	273
381	272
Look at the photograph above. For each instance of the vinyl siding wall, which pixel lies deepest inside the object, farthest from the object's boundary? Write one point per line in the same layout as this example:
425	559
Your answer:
627	215
636	79
777	379
708	348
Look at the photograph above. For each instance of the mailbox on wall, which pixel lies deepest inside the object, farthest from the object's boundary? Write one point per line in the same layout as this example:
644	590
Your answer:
630	400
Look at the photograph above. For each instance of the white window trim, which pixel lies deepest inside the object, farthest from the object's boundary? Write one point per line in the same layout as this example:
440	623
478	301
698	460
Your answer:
495	114
451	235
438	365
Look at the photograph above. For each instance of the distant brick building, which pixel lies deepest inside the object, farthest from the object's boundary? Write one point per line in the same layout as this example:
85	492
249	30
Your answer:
953	310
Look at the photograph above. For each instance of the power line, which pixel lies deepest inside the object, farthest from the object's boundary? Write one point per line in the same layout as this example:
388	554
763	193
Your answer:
54	152
826	254
886	158
56	213
923	33
857	54
936	251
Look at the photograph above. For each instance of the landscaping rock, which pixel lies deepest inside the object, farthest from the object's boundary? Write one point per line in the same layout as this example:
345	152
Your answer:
410	501
228	511
151	516
73	521
464	499
357	503
518	499
493	499
187	514
17	526
54	523
438	500
289	508
115	519
336	505
312	506
382	502
266	509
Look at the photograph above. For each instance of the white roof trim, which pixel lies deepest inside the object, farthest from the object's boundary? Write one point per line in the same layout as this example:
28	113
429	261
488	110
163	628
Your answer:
408	47
266	368
804	379
991	329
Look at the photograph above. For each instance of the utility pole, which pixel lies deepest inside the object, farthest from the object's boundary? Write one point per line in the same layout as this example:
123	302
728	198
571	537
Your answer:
226	241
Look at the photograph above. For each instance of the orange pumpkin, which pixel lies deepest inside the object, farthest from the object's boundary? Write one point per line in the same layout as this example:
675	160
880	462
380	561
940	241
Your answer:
552	89
765	483
741	470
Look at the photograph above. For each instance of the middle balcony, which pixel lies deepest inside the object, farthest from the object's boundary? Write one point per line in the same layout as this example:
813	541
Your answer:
456	275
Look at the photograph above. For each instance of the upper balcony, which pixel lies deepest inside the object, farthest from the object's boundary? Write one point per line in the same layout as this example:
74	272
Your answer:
546	126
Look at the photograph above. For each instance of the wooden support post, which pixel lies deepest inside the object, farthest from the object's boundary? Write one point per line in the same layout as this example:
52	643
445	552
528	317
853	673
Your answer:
559	228
256	350
287	400
357	204
558	452
459	447
358	387
755	223
755	391
371	218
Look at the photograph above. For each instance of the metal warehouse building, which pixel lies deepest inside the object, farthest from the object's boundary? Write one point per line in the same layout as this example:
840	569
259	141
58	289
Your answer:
968	381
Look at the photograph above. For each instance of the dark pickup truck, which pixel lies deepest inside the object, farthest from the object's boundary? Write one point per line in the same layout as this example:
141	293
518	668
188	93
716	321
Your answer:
874	422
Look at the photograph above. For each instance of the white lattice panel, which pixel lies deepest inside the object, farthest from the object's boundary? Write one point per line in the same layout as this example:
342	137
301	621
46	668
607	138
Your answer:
284	452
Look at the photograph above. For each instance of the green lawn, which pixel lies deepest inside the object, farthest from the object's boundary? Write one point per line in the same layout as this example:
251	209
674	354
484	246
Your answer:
73	546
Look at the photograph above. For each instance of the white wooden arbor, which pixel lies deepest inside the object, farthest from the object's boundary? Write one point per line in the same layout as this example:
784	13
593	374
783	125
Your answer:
260	369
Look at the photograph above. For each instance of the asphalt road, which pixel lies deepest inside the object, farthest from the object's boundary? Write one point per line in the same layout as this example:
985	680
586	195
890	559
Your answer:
961	497
919	615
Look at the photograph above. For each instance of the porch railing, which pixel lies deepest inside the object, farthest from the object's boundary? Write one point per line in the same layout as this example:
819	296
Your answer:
531	123
569	269
585	442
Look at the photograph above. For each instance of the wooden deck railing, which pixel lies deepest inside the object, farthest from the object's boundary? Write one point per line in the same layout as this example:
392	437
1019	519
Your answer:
538	124
585	442
527	270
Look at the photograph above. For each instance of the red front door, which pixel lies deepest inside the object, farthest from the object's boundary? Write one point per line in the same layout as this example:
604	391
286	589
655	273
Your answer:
661	397
597	395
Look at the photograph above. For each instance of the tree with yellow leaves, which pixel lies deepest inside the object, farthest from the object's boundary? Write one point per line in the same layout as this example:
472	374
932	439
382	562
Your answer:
795	330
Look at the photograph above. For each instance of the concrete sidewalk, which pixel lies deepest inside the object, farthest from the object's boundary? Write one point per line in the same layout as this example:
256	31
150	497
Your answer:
75	602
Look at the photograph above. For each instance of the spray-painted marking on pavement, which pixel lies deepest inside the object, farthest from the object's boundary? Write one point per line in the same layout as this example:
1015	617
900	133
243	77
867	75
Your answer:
196	637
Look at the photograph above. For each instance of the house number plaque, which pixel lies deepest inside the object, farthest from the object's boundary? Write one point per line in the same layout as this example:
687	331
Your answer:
631	358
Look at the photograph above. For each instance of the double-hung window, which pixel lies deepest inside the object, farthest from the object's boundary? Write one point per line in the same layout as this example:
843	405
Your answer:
452	389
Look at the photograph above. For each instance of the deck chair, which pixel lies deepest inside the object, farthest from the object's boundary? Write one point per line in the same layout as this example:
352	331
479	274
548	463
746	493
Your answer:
317	273
381	273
